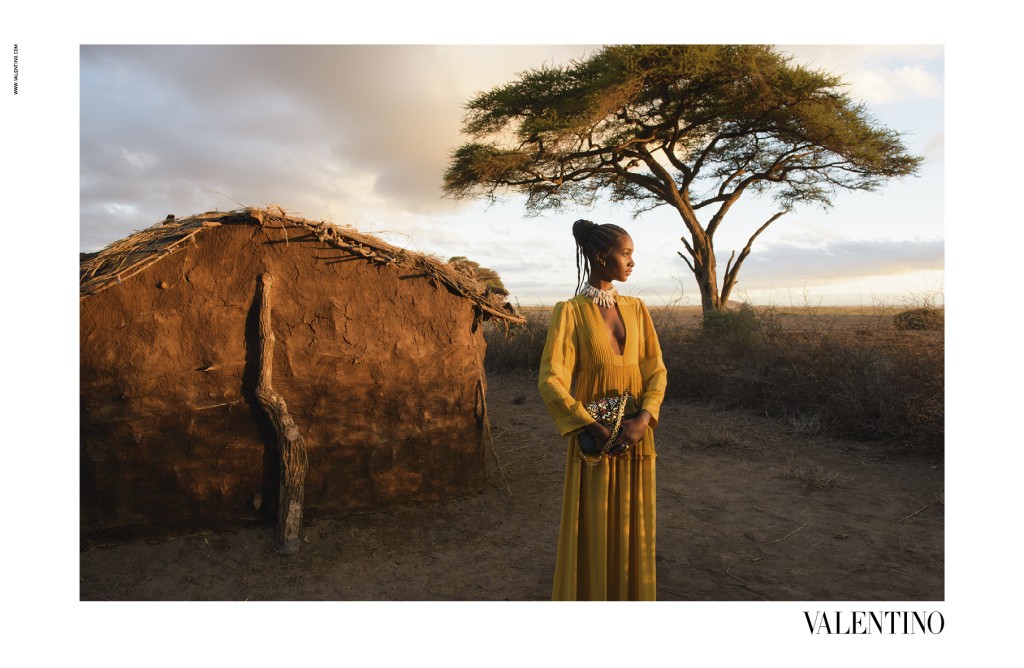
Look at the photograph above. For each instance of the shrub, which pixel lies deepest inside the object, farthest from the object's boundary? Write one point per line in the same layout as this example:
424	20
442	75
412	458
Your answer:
882	387
924	318
883	383
737	329
517	347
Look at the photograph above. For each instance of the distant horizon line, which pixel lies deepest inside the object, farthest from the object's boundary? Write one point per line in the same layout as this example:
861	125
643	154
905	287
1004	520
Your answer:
806	301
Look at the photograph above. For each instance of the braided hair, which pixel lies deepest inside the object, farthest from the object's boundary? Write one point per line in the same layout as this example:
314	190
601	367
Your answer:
592	240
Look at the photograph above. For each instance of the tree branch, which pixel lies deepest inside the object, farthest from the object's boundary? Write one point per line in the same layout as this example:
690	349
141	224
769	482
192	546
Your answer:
687	261
731	198
689	248
727	264
648	183
291	444
676	197
670	148
742	166
699	162
729	279
670	152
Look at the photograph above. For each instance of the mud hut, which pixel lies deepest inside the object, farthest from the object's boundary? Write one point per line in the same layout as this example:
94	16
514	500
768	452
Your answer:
195	331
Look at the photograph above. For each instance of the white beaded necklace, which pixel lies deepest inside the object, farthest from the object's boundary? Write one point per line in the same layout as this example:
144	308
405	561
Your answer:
603	298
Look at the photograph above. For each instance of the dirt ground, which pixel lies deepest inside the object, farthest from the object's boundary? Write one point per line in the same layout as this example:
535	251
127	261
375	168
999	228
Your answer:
749	508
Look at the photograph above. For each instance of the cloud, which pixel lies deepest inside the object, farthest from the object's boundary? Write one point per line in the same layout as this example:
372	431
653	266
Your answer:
303	126
879	74
834	261
361	135
935	149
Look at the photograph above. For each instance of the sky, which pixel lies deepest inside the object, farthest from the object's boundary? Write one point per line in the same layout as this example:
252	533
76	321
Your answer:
48	199
362	134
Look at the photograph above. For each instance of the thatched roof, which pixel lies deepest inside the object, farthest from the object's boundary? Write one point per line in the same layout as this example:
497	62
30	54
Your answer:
135	253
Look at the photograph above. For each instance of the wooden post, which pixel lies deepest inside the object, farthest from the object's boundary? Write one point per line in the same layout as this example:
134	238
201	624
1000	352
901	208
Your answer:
290	442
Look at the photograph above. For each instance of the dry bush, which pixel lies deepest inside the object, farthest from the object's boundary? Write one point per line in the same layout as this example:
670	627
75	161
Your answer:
884	385
920	319
517	348
813	477
709	435
871	381
809	424
923	311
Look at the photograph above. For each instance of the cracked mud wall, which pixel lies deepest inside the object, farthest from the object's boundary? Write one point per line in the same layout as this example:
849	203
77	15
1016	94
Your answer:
380	368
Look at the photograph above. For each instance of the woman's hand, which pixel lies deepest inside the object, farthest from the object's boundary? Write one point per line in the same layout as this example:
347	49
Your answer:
599	432
631	432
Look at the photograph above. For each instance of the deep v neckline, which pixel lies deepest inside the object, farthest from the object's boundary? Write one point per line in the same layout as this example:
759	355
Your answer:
609	334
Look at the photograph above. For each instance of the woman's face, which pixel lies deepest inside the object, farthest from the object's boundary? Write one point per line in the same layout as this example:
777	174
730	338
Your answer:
618	261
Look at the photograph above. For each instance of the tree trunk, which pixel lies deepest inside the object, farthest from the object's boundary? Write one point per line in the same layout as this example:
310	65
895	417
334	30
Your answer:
290	442
705	271
708	284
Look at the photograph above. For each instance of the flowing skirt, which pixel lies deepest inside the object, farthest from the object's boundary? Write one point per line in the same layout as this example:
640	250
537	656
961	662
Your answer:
607	530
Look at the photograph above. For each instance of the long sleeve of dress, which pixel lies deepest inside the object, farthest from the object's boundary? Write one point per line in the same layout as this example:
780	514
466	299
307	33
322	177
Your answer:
652	367
556	367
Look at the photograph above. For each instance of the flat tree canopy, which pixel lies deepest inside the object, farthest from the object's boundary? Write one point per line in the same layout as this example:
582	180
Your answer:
693	127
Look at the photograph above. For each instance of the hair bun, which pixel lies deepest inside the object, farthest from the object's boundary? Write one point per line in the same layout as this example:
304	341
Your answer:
581	229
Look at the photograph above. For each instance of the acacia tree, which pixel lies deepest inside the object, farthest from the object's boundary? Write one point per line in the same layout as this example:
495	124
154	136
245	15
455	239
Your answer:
694	127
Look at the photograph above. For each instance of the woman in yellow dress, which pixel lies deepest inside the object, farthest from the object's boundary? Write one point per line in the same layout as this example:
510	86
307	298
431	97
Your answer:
600	344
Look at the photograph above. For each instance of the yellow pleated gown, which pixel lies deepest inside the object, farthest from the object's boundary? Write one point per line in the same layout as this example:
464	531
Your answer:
607	531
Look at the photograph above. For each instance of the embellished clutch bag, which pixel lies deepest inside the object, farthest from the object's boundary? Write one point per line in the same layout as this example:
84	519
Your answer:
609	411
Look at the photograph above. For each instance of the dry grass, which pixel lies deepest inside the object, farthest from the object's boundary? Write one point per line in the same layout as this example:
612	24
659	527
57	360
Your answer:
853	372
921	319
704	435
824	377
809	424
517	348
813	477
